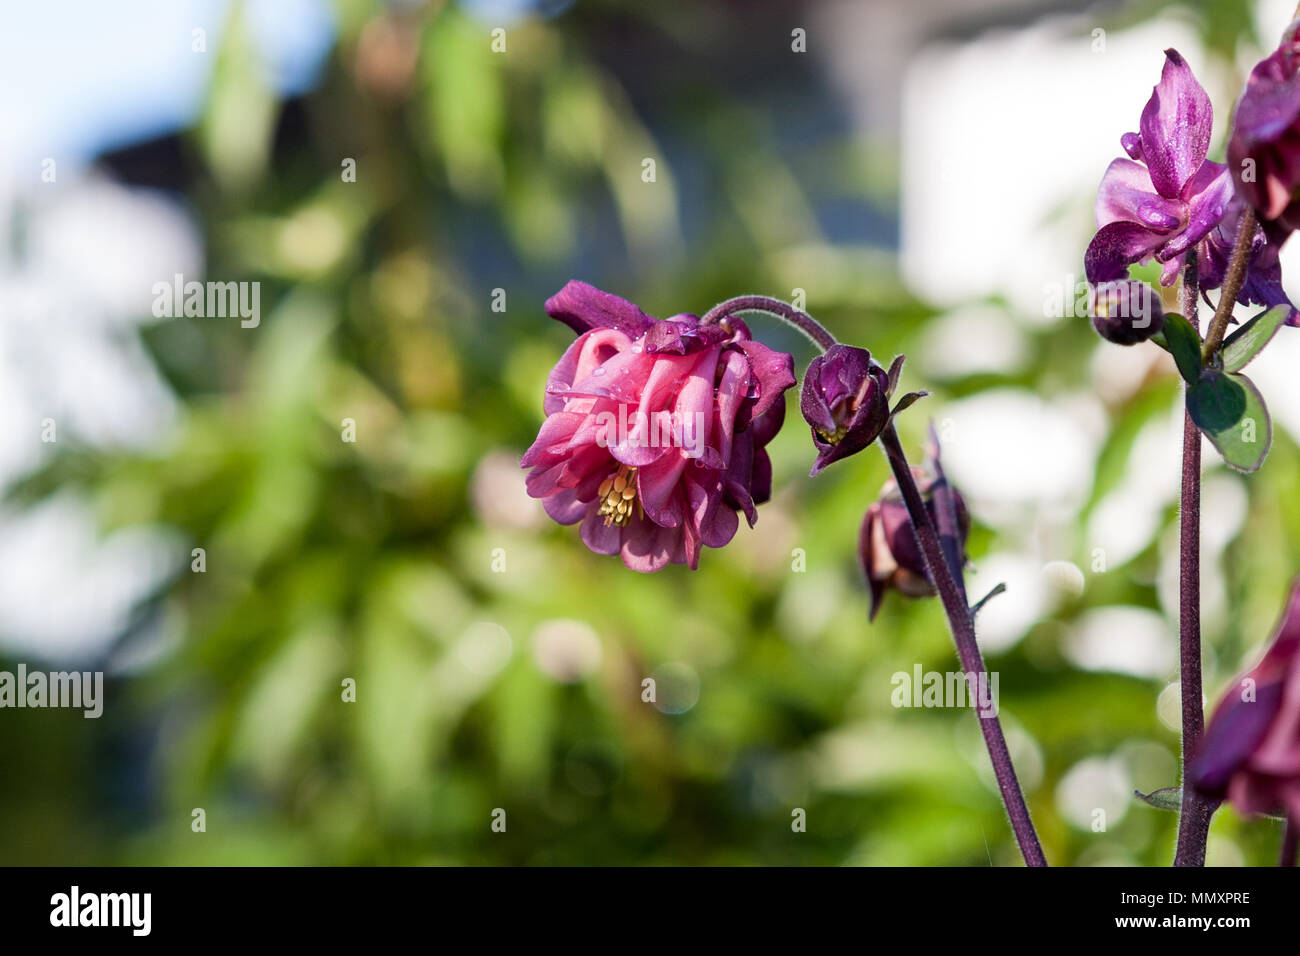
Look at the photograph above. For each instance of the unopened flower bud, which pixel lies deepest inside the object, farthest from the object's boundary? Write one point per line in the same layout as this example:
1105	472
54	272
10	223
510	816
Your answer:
887	546
845	401
1126	311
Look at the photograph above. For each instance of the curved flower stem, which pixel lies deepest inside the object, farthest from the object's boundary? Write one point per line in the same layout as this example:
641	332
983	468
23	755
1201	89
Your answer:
1290	843
1196	810
1232	283
953	595
943	561
802	321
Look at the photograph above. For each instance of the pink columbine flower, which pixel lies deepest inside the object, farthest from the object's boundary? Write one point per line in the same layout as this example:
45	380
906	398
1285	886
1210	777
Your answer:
1251	750
655	430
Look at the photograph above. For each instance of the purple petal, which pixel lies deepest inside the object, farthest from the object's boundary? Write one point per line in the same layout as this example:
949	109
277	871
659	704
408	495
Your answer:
1125	190
1235	731
760	487
676	337
1154	215
565	507
867	556
732	387
716	522
648	547
543	482
1176	124
812	398
740	476
600	537
1208	195
1264	131
765	427
1117	246
583	307
772	372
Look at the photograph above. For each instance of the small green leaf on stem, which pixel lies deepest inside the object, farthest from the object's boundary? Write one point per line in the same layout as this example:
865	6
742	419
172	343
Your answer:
907	401
1231	413
1247	342
1181	340
1167	798
998	589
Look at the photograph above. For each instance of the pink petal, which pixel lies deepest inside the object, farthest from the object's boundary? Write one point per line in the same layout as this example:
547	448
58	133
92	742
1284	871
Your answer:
656	486
648	547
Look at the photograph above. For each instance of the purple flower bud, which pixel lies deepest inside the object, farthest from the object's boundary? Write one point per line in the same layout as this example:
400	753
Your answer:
1264	150
845	401
887	548
1126	312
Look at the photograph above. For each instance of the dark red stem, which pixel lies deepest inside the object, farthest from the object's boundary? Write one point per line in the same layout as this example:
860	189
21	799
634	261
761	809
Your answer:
953	595
802	321
1196	810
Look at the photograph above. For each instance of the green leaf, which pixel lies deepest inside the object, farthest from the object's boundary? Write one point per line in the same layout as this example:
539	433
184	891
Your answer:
1181	340
1231	413
999	588
907	401
1247	342
1166	798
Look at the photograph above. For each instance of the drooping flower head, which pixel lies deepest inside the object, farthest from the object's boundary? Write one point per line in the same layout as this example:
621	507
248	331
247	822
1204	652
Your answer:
1264	151
888	551
845	401
1250	753
1166	197
655	430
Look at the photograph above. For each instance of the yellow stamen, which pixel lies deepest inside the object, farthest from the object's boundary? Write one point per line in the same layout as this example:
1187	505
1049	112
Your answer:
617	494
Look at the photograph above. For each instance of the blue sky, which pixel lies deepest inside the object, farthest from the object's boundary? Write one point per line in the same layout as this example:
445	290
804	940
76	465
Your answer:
80	76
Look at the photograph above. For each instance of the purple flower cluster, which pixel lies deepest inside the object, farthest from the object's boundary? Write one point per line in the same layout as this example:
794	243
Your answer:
1166	198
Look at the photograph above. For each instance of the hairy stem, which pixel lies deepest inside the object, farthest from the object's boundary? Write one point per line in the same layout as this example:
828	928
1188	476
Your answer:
1290	836
1232	283
802	321
1194	815
953	595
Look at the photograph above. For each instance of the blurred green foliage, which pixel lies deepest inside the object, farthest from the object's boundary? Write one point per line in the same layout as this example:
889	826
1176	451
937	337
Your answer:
374	560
